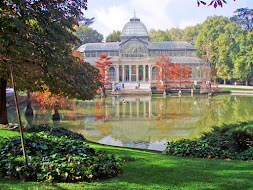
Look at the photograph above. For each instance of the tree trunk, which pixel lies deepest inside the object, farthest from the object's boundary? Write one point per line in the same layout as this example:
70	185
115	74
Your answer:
29	110
3	108
56	116
225	81
248	82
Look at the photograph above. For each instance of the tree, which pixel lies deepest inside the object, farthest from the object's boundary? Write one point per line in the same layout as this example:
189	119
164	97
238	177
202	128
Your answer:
87	34
243	67
210	31
104	65
171	73
208	81
215	3
244	17
179	73
86	21
37	39
159	35
163	66
176	34
190	34
228	50
46	100
114	36
206	43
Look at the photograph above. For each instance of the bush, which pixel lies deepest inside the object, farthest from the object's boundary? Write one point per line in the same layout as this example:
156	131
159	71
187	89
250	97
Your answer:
234	141
51	158
59	131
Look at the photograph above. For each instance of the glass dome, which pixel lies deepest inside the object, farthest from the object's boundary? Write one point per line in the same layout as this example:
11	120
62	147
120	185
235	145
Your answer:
134	28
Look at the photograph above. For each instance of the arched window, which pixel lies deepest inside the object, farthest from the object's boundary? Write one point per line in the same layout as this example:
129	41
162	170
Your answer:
134	48
112	73
154	73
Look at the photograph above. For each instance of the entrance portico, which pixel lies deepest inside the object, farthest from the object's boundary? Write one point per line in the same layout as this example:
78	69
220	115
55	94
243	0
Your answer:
133	72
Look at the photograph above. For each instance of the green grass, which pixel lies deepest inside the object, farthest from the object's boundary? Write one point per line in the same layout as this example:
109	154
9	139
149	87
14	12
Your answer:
152	170
230	89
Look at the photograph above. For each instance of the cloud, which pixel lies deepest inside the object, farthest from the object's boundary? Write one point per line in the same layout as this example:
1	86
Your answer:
163	14
111	18
185	23
152	13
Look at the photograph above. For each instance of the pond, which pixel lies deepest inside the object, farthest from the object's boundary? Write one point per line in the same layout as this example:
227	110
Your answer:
145	122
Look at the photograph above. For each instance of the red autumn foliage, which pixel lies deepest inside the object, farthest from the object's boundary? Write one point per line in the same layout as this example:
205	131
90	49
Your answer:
104	65
44	101
171	73
179	73
163	68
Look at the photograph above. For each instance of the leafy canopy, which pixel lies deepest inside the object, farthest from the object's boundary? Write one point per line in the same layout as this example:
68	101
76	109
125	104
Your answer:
114	36
37	38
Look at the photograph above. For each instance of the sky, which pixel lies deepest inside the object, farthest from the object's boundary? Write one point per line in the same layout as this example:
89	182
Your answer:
155	14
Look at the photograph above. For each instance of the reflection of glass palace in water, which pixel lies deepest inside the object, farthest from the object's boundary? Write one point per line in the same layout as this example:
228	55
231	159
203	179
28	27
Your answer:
145	121
142	122
134	58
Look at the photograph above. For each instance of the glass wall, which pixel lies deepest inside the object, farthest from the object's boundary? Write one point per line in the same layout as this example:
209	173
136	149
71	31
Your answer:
134	49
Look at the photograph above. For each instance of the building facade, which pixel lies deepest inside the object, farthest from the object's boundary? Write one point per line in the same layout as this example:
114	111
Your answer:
134	58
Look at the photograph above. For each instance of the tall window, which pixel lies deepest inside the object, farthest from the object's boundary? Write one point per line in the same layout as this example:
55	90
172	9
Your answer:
154	73
112	73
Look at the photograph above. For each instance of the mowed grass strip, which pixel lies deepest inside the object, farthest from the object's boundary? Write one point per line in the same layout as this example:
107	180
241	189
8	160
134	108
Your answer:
234	89
153	170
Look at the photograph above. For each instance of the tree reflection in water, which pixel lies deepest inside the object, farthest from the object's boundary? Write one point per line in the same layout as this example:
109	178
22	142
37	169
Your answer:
145	121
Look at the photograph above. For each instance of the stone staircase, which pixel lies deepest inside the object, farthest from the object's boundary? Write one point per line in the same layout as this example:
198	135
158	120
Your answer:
133	88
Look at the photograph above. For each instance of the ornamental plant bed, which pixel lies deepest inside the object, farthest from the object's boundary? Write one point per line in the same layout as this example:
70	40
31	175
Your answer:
55	159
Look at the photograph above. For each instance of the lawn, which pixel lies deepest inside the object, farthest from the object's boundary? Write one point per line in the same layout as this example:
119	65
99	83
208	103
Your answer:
152	170
232	89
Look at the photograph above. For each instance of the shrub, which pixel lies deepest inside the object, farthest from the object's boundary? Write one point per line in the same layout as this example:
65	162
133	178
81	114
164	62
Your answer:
234	141
59	131
51	158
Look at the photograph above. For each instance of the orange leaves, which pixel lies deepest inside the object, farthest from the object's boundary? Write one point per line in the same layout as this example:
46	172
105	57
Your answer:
46	100
163	68
104	65
171	73
180	72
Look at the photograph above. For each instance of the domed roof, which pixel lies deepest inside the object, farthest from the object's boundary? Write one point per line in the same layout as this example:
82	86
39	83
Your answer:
134	28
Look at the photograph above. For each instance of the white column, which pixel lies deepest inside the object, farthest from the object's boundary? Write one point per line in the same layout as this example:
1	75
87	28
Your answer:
124	110
150	108
149	73
130	72
117	73
123	73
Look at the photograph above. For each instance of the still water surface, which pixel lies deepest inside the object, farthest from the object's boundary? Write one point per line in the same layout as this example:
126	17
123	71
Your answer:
146	122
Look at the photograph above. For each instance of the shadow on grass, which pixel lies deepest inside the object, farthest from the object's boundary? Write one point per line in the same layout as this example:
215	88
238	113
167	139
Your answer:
152	170
10	184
